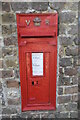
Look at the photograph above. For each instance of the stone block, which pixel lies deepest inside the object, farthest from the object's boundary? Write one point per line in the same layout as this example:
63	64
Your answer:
19	6
71	6
71	106
71	90
11	62
8	29
62	29
76	40
70	71
6	6
15	101
7	51
14	84
47	115
7	73
1	63
10	41
0	85
60	90
17	74
73	30
64	99
64	81
57	5
40	6
0	52
74	114
64	62
67	17
65	41
75	98
13	92
62	115
9	110
61	51
71	51
8	18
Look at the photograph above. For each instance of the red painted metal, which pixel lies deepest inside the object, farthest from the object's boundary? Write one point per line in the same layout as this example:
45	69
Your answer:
37	92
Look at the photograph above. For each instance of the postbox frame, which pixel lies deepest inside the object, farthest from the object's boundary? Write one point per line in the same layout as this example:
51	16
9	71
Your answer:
22	62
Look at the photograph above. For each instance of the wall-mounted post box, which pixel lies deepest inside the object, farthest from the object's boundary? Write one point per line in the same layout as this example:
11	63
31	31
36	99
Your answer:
37	41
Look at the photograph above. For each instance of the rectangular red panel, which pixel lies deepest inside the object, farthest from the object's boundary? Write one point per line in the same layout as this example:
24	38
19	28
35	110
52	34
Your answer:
37	40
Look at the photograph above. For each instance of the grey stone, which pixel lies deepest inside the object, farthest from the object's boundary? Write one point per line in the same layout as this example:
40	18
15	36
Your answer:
67	17
8	18
57	5
10	41
70	71
9	111
40	6
71	51
19	6
65	41
6	6
64	62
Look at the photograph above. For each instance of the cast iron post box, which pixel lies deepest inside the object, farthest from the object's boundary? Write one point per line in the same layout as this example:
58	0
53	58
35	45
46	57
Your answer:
37	41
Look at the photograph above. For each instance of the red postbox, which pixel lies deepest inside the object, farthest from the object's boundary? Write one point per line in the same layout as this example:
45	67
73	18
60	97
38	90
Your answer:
37	41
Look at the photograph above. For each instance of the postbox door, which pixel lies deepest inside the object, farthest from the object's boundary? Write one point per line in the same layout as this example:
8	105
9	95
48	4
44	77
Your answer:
39	66
38	78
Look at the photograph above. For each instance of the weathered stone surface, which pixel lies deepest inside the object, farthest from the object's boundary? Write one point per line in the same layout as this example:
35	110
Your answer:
64	99
61	70
16	73
9	111
1	63
61	51
6	6
71	6
73	30
62	29
64	81
62	115
74	98
71	107
8	18
65	41
48	115
7	51
67	17
19	6
1	43
15	101
0	85
65	62
72	51
14	84
74	114
40	6
60	90
57	5
70	71
12	93
76	40
71	90
8	29
0	52
11	63
10	41
7	73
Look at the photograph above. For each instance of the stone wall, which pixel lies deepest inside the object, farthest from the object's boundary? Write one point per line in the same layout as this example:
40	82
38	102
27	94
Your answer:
68	64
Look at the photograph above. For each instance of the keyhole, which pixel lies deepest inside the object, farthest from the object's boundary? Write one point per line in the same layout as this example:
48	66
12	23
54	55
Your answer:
32	82
37	82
